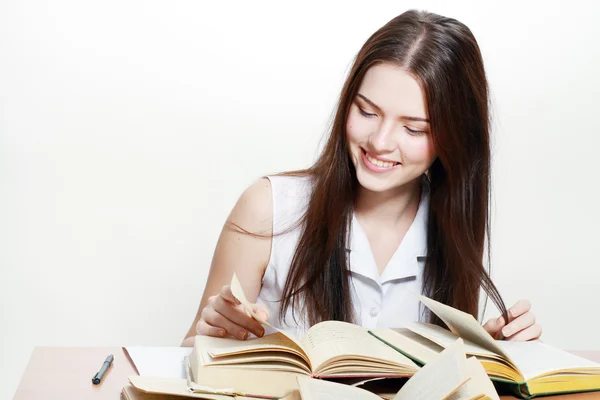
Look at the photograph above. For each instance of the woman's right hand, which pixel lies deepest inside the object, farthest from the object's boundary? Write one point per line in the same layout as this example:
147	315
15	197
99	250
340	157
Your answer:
225	316
222	315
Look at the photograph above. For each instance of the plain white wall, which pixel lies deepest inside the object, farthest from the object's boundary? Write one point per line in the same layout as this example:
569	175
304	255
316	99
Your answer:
129	128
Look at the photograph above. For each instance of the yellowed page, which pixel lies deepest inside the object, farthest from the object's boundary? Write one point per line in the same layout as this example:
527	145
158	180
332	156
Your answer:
327	340
131	393
274	348
272	361
463	325
317	389
177	387
224	346
440	378
479	386
248	382
238	292
244	381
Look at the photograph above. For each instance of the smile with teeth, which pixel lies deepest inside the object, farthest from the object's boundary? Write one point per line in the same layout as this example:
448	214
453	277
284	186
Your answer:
379	163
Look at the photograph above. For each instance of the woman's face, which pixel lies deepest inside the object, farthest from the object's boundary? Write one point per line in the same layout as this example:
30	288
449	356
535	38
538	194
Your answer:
388	130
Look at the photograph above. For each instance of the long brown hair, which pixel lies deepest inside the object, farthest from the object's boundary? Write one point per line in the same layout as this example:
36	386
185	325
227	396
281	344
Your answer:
444	57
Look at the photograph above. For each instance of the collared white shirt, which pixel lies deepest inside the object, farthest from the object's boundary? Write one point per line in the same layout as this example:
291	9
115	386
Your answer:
385	300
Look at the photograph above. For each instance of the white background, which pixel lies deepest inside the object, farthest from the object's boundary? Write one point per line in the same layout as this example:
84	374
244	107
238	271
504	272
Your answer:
129	128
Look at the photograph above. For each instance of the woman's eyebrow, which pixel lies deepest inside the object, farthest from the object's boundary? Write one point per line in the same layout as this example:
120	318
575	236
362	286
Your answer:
376	107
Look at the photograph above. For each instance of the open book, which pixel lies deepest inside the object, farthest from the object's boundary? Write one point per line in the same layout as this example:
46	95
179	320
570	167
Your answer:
528	368
328	349
449	376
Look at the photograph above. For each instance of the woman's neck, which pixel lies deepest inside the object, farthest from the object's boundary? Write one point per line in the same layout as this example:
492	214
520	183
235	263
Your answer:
390	208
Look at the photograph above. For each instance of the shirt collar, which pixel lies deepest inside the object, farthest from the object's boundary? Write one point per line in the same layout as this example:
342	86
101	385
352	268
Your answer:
404	262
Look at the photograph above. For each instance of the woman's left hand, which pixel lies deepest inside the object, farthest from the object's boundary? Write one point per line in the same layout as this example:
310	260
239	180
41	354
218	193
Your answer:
521	327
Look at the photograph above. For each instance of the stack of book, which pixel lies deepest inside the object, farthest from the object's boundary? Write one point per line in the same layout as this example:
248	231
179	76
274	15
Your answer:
337	360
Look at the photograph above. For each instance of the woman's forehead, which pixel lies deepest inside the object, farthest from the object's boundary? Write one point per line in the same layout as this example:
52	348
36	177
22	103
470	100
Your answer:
394	90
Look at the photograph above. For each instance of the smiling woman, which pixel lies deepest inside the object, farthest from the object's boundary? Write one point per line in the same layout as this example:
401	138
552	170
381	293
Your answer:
388	130
398	200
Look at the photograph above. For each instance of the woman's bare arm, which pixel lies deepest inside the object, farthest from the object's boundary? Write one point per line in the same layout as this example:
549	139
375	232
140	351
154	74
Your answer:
243	253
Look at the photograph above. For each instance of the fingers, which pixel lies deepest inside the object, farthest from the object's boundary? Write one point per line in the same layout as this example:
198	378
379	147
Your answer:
215	319
524	321
494	327
533	332
224	315
518	309
202	328
519	316
226	294
238	316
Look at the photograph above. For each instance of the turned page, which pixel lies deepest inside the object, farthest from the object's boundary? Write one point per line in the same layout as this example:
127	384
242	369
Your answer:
478	386
330	339
410	343
463	325
444	338
440	378
317	389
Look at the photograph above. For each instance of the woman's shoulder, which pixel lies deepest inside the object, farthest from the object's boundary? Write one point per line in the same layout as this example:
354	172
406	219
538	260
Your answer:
253	210
290	184
272	196
290	195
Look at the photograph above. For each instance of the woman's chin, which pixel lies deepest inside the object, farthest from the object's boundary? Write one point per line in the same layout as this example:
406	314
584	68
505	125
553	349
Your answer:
376	184
380	184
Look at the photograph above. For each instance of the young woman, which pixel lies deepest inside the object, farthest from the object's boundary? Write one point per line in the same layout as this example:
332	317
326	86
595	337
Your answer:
398	201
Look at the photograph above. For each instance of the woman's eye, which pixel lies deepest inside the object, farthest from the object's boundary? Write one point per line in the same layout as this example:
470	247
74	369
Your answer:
366	114
414	132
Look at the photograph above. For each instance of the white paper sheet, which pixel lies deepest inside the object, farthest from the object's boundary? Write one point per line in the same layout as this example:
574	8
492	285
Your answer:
161	362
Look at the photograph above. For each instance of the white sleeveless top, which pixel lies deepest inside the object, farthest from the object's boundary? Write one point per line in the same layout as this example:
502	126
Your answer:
378	300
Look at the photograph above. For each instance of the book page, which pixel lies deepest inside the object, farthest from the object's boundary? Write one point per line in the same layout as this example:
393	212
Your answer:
330	339
163	362
479	386
537	358
440	378
295	395
175	386
217	348
267	360
317	389
129	392
238	293
463	325
444	338
409	343
247	382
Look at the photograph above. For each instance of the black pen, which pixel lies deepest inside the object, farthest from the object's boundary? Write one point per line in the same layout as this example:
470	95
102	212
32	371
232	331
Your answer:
98	377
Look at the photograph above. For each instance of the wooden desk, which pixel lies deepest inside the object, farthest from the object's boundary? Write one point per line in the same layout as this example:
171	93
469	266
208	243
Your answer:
66	373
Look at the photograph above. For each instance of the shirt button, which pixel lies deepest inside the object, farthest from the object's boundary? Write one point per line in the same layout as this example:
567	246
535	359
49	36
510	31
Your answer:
374	312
